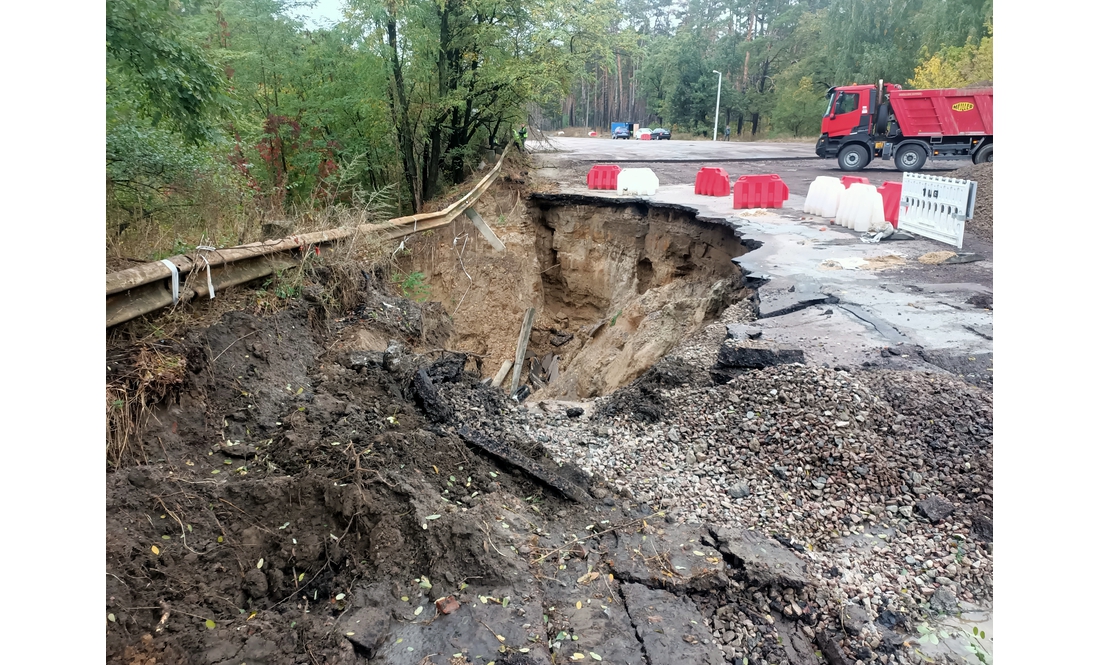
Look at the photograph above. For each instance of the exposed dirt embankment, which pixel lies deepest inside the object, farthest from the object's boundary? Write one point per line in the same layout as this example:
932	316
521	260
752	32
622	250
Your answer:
615	285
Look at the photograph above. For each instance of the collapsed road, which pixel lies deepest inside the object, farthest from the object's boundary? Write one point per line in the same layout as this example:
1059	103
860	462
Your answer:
790	465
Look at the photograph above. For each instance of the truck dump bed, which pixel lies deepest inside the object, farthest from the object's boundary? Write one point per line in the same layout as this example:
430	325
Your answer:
943	112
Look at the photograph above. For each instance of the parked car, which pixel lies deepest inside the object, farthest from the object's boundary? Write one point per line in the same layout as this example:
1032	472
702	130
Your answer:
661	134
620	133
645	133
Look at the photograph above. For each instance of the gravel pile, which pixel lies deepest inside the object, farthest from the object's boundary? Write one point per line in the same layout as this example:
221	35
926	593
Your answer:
883	480
982	224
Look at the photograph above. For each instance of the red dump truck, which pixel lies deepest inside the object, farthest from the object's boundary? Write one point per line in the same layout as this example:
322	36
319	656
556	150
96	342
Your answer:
863	122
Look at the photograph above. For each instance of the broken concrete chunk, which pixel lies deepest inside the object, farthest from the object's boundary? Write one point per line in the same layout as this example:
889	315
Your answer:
756	354
935	508
428	397
671	629
765	561
535	469
675	558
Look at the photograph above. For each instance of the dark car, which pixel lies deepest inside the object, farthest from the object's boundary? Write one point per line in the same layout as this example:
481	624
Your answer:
661	134
621	133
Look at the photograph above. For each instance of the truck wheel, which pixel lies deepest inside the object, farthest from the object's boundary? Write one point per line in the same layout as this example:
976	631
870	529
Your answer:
984	155
910	158
853	158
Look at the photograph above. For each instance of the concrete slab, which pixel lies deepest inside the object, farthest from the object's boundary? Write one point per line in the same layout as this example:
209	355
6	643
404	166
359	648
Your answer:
671	628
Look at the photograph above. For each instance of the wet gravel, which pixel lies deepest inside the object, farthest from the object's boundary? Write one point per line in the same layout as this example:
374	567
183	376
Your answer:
836	462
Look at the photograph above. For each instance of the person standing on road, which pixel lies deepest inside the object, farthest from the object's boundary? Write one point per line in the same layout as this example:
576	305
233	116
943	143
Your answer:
521	137
727	132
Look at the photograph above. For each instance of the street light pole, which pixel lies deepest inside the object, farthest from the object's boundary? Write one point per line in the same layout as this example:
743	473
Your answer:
717	100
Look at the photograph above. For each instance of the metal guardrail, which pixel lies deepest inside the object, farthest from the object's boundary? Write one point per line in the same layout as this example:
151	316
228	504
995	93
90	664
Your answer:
152	286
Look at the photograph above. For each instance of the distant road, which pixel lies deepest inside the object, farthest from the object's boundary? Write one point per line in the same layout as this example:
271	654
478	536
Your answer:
609	150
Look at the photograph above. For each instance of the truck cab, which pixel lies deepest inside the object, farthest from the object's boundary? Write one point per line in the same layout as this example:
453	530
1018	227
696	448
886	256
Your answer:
848	124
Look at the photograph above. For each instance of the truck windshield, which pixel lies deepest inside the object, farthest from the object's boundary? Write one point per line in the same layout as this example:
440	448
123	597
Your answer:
829	106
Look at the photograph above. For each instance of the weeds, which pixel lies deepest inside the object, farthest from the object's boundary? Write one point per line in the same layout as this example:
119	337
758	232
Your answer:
141	380
412	286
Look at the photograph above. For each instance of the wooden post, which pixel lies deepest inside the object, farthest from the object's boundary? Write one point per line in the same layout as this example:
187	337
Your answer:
502	374
521	349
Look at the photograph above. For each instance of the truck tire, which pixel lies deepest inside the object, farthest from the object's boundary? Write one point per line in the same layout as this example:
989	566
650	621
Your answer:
984	155
853	157
910	158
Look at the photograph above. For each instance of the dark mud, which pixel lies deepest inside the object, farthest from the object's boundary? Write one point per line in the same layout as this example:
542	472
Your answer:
292	504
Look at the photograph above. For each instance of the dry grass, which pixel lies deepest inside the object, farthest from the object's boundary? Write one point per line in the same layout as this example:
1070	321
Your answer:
141	377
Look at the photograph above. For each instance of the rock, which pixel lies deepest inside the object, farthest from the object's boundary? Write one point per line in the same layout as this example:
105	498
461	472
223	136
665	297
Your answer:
690	457
935	508
739	491
982	529
599	492
393	356
943	601
574	412
764	560
854	619
674	435
906	511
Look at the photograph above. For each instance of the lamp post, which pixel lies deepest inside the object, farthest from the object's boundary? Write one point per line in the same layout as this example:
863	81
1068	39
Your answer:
717	100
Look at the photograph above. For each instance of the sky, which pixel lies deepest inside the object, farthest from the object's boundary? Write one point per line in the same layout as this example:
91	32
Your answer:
325	13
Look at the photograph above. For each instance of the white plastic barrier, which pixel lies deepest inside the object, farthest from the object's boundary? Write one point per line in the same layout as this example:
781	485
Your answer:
936	207
860	209
824	196
637	182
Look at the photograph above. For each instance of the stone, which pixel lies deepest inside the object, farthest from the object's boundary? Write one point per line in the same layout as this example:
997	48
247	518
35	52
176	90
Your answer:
855	619
574	412
943	601
935	508
739	491
982	529
393	355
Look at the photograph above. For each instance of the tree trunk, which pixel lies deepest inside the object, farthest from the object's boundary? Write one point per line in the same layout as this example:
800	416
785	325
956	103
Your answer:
748	40
401	108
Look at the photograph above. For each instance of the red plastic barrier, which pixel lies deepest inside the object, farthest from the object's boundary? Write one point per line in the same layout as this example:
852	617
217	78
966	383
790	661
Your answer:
645	136
891	201
849	179
604	176
712	181
759	191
